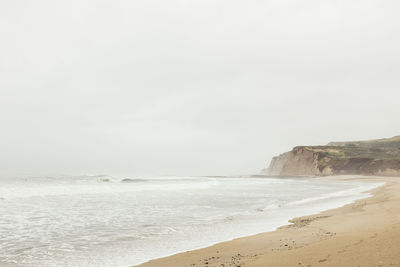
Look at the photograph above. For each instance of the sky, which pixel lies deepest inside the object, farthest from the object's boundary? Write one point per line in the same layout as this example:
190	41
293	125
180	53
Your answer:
190	87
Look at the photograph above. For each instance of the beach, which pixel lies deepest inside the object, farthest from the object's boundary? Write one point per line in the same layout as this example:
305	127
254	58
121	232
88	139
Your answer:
363	233
105	220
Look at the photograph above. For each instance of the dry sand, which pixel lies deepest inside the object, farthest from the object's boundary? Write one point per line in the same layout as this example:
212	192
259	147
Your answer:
364	233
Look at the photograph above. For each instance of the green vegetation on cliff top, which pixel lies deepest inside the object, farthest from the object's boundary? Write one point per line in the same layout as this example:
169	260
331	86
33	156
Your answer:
374	149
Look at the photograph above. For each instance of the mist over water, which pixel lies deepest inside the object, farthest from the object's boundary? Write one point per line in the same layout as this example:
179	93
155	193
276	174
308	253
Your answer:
112	221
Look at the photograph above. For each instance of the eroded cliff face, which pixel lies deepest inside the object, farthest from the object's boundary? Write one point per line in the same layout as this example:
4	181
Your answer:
375	157
299	161
277	163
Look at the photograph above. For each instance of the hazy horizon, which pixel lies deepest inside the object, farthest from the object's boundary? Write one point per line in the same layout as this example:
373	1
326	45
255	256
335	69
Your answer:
190	87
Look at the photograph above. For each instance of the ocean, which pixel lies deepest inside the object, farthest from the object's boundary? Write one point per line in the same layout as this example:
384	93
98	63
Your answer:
101	220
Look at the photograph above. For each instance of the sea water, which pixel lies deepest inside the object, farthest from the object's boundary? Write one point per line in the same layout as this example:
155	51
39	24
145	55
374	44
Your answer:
110	221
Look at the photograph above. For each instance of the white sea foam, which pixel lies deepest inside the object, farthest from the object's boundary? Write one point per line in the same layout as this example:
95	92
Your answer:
120	221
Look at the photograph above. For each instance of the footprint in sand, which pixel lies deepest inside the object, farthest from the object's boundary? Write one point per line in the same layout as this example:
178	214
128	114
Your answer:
358	242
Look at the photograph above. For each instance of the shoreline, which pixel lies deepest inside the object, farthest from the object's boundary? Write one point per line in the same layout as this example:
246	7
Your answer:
272	248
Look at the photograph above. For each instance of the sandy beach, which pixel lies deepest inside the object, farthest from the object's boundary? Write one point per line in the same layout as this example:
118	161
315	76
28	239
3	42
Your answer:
363	233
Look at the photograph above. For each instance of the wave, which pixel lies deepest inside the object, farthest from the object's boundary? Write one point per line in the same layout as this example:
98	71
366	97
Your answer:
342	193
130	180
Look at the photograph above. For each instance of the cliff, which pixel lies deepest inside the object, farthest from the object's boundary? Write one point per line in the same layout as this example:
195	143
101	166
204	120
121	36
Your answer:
373	157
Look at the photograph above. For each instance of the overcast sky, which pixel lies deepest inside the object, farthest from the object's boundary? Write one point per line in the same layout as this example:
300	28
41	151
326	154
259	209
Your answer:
182	87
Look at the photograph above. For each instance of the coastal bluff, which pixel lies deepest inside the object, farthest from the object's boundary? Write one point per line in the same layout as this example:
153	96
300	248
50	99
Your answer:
379	157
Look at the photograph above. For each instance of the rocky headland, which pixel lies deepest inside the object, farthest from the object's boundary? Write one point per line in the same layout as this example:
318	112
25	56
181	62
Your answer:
374	157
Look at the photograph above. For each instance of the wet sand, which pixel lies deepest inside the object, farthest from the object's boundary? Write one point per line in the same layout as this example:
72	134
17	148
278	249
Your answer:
364	233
